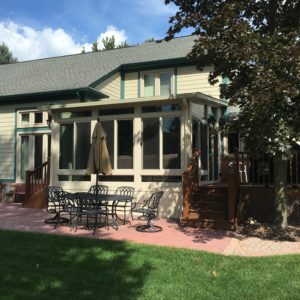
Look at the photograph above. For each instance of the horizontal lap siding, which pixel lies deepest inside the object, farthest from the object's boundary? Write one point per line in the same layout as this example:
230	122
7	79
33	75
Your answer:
7	142
131	85
111	86
190	80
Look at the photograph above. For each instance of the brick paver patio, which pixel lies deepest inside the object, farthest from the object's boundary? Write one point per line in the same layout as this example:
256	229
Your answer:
14	217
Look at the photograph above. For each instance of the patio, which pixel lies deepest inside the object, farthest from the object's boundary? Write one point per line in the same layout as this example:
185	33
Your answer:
14	217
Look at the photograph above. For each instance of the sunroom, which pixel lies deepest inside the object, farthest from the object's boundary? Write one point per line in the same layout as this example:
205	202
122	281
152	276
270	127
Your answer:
149	140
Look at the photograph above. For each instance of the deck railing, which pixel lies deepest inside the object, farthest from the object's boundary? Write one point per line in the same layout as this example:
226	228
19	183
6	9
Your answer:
38	178
190	180
259	171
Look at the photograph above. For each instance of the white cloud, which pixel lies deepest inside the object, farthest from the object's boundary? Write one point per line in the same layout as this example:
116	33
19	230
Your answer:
120	35
27	43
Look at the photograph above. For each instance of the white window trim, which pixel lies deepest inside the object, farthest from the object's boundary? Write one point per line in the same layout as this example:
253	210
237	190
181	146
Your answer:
157	81
31	123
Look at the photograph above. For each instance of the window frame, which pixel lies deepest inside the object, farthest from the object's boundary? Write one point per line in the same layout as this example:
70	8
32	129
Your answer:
31	123
157	82
73	121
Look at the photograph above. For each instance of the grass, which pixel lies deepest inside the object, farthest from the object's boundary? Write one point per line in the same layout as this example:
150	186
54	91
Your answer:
38	266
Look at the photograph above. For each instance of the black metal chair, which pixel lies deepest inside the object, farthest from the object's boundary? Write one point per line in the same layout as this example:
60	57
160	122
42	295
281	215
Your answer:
149	211
124	206
55	205
81	206
102	189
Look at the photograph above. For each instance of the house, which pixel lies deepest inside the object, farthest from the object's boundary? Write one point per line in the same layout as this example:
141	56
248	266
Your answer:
153	103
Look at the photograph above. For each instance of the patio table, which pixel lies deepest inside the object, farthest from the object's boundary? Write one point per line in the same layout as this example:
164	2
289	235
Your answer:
105	200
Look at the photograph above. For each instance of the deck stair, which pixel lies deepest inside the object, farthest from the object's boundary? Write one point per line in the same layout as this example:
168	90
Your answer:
208	206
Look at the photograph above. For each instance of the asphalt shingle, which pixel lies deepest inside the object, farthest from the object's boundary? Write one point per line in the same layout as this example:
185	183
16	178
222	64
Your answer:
81	70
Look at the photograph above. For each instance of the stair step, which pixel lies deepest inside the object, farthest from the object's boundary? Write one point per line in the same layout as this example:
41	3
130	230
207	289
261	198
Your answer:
210	205
209	214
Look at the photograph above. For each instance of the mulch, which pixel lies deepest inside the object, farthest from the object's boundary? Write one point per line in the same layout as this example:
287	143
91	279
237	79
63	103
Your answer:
270	232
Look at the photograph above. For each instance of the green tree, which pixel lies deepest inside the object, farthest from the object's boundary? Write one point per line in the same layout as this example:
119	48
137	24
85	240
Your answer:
6	56
149	40
251	43
95	47
123	45
109	43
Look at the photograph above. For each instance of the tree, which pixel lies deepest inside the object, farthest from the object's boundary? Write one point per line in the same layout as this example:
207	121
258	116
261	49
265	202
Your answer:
109	43
251	43
123	45
149	40
6	56
95	47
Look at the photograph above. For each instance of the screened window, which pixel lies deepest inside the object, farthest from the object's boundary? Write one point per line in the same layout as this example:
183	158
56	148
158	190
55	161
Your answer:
119	142
75	139
125	144
171	142
151	143
25	119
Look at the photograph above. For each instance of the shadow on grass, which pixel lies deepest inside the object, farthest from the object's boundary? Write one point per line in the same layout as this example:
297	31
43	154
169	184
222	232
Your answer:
37	266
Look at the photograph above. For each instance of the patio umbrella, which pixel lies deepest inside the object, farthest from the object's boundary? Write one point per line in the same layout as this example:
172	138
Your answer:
99	161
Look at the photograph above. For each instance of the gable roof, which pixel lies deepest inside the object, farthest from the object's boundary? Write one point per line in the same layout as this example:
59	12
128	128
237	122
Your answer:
82	70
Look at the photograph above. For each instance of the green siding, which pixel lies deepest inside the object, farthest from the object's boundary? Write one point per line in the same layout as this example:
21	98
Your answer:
122	86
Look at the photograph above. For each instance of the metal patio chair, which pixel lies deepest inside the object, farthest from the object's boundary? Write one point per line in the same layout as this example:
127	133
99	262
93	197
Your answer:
124	206
149	211
55	205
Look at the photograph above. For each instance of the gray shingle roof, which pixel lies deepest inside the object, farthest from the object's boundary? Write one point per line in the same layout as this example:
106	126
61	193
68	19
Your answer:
81	70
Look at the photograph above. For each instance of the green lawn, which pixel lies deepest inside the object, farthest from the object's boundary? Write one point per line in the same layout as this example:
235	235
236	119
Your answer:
37	266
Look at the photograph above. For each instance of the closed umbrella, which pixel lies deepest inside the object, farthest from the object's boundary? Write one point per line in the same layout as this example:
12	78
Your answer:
99	161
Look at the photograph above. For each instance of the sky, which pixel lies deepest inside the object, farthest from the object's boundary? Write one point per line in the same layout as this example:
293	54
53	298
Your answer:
35	29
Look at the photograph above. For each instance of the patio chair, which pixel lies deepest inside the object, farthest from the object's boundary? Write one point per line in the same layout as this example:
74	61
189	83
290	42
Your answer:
82	205
102	189
149	211
124	206
55	205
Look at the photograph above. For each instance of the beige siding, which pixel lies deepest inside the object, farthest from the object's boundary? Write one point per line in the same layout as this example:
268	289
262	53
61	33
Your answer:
131	85
190	80
7	142
111	86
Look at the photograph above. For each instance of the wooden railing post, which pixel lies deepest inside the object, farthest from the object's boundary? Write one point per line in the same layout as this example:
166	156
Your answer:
27	182
233	187
190	180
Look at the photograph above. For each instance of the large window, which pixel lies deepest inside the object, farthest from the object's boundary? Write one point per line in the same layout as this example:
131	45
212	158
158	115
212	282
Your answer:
75	139
161	143
157	83
120	142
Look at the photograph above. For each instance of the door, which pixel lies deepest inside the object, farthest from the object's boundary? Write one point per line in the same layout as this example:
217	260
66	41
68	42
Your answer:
34	151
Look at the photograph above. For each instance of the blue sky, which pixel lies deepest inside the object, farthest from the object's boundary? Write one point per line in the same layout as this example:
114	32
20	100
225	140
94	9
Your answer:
42	28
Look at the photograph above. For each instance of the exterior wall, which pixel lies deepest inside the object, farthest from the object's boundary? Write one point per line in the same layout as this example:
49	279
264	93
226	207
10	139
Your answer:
7	143
190	80
131	85
111	86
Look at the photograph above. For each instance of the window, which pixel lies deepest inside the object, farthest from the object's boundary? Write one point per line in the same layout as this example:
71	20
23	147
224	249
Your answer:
157	83
38	117
149	84
75	139
161	143
32	119
151	143
119	142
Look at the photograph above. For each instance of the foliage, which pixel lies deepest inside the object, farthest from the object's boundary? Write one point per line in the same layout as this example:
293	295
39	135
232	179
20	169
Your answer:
251	43
39	266
95	47
123	45
109	43
149	40
6	56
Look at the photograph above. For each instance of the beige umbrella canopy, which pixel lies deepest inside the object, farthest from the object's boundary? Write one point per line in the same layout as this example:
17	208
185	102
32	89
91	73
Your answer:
99	161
